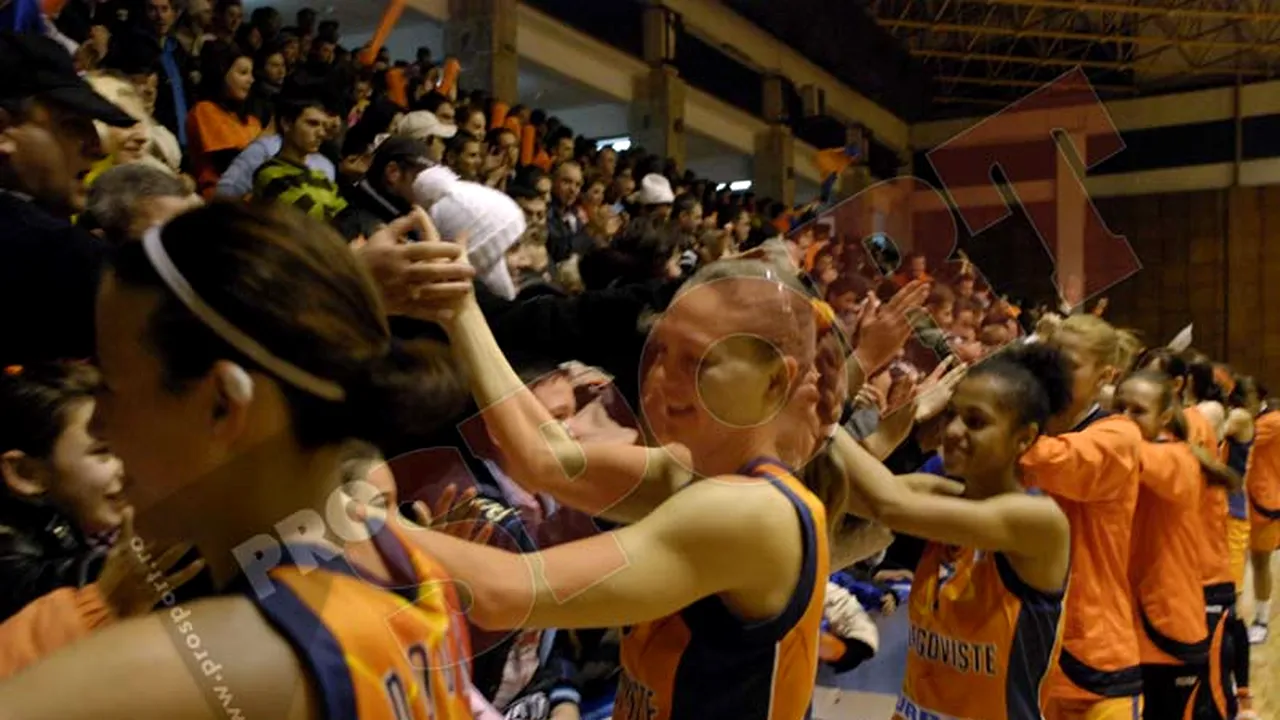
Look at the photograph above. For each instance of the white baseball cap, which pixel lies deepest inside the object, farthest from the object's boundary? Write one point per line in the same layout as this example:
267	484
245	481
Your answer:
423	125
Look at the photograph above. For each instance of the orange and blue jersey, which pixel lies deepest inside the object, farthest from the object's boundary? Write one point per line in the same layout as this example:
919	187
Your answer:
981	641
1165	568
1093	474
372	652
1236	455
705	663
1262	481
1215	551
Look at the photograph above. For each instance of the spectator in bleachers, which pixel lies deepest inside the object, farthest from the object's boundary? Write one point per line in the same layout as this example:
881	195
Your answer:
227	18
286	178
386	192
220	126
439	105
47	265
127	200
430	129
194	26
914	267
139	63
473	121
270	71
565	229
655	197
462	155
174	62
237	181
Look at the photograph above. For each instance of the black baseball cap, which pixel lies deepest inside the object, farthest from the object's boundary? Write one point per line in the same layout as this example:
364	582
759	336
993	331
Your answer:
41	68
407	151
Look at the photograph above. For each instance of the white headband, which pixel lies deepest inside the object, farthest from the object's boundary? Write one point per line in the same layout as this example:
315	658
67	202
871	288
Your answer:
283	369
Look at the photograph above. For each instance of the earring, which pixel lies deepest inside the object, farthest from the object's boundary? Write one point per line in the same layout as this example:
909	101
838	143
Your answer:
237	383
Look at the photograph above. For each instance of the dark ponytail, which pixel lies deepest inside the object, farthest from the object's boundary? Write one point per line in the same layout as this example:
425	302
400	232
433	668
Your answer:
291	284
406	395
1039	379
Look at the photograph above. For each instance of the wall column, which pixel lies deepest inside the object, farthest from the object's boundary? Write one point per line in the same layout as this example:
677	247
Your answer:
1071	206
657	114
774	166
482	35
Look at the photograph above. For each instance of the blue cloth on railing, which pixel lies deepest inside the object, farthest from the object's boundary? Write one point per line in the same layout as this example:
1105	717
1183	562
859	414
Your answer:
22	16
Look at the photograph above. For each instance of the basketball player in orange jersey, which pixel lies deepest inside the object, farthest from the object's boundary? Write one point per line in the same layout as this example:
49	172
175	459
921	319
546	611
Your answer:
241	348
1091	468
988	592
1262	484
1244	404
1197	394
710	636
1165	567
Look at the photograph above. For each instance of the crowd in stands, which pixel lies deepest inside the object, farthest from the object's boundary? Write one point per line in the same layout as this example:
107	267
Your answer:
572	245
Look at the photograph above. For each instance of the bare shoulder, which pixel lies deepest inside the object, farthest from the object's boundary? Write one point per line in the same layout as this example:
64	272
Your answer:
186	661
728	510
1046	556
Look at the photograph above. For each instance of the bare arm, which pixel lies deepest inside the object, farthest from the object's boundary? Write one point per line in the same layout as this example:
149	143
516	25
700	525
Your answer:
891	432
619	482
1016	524
687	549
146	668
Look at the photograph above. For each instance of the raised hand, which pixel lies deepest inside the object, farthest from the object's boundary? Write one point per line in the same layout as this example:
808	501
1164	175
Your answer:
133	581
460	518
935	390
417	279
884	330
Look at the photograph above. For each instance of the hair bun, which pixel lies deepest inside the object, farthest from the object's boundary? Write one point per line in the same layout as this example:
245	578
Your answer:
1050	367
406	395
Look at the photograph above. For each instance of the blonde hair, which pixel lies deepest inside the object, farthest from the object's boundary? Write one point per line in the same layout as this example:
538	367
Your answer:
120	92
1131	347
123	95
1108	346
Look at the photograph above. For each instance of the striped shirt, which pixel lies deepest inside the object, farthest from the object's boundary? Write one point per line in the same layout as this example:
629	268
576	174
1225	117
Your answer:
308	190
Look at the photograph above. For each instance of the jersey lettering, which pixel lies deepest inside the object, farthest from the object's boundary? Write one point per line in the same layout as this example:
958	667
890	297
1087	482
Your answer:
966	657
397	697
419	659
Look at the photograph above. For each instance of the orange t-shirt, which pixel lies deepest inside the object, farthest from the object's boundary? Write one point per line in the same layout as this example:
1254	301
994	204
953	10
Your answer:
1164	567
1262	478
1215	555
215	136
1093	474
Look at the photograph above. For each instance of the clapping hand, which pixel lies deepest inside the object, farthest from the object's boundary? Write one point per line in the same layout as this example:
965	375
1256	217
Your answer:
458	517
885	329
935	390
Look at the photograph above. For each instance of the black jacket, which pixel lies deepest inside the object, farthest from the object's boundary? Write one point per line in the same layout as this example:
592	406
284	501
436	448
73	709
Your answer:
562	239
368	209
40	551
48	284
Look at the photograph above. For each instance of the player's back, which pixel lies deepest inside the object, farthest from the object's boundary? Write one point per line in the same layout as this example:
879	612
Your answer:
1165	568
1215	555
1098	492
398	652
